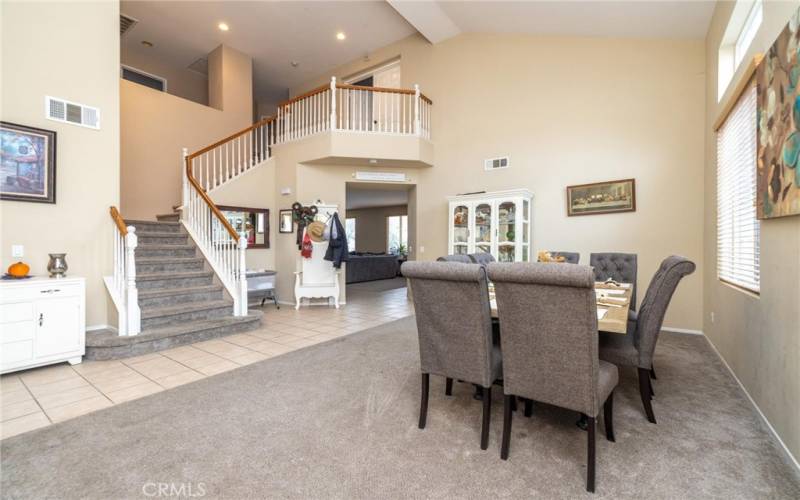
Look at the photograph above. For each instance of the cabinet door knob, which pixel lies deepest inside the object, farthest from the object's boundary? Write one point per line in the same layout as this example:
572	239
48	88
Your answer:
41	318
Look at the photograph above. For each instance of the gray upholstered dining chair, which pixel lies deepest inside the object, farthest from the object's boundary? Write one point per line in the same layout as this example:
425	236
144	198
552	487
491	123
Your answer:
464	259
548	324
621	267
569	257
454	325
481	258
637	347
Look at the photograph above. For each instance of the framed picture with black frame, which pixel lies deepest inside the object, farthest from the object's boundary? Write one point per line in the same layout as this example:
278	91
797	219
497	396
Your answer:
27	163
285	221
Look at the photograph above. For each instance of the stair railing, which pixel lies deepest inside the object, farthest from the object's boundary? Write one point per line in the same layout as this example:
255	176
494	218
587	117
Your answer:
354	108
218	241
122	283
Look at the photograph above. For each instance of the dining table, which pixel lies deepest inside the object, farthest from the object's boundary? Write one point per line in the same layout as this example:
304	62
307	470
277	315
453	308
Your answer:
613	304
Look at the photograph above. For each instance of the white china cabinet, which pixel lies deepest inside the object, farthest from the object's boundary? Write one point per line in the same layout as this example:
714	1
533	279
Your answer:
497	222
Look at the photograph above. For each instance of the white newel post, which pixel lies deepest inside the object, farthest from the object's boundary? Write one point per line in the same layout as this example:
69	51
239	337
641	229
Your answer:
242	309
417	130
185	180
133	314
333	103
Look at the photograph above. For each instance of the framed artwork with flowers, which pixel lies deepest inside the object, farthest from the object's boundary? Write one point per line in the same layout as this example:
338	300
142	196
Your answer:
778	137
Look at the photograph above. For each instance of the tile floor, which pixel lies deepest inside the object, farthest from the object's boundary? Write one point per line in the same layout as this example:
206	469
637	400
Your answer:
42	396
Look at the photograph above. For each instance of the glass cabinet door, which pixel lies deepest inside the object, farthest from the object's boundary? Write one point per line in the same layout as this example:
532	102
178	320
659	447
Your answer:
526	230
506	231
483	228
460	230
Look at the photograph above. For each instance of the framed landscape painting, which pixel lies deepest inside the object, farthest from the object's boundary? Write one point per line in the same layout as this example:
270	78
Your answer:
778	111
602	198
27	163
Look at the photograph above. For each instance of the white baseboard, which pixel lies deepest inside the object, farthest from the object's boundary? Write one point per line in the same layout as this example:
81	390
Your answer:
788	453
288	303
682	330
93	328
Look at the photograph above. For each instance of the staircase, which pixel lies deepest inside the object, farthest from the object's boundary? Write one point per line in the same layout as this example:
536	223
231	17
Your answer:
180	298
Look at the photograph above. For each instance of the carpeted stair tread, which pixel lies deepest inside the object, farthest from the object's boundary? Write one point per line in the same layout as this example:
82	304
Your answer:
159	312
163	246
168	260
179	275
161	234
166	292
105	338
133	222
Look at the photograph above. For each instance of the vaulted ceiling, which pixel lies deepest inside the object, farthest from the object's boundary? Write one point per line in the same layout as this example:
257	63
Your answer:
278	34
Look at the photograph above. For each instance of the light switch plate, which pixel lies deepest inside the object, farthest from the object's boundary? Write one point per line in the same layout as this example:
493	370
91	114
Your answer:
18	251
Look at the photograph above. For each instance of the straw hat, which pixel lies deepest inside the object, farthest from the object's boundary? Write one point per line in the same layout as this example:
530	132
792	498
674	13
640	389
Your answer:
316	231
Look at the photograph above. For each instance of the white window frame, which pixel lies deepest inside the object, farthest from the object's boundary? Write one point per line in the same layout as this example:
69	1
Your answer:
742	28
738	228
388	242
355	233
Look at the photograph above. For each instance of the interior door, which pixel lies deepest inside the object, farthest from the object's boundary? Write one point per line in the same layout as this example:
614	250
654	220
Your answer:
57	326
363	104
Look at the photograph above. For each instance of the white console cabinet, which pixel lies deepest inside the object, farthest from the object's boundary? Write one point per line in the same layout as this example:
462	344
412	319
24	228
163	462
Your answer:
42	321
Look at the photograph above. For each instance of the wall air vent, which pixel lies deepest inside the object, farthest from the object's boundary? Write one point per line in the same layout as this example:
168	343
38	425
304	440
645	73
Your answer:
496	163
61	110
199	66
126	23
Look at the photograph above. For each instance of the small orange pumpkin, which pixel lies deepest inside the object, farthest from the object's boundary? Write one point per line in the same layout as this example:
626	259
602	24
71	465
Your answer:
19	269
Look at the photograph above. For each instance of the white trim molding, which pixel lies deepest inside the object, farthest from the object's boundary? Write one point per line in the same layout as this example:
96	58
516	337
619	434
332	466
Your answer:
772	430
682	330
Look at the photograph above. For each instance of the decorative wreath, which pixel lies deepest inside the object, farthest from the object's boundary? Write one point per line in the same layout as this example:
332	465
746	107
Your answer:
303	214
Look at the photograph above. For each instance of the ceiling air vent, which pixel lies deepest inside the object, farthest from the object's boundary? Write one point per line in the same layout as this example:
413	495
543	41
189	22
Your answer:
126	23
61	110
495	163
199	66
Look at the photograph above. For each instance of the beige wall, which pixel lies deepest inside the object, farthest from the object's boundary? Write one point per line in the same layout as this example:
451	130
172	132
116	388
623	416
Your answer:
40	42
180	82
371	228
254	189
759	337
566	111
156	126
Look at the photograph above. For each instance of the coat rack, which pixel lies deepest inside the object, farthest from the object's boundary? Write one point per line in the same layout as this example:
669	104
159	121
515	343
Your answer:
317	278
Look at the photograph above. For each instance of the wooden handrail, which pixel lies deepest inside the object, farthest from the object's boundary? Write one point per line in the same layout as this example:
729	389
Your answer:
375	89
310	93
426	99
123	229
232	136
208	201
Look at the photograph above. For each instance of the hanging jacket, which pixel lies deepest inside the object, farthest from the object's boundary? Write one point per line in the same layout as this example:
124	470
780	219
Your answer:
337	244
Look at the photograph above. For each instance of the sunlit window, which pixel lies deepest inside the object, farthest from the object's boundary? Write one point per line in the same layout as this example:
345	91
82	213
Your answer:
350	230
397	234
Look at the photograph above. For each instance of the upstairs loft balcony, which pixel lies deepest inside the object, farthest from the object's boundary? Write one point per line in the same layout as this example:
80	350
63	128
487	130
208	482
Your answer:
340	123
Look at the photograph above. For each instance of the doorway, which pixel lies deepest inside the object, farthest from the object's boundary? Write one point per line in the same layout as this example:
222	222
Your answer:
380	226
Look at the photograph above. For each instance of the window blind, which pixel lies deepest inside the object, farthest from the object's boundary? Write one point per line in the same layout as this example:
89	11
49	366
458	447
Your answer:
737	225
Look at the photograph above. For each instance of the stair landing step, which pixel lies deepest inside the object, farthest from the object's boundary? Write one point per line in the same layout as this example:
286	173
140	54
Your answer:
133	222
168	259
160	312
105	344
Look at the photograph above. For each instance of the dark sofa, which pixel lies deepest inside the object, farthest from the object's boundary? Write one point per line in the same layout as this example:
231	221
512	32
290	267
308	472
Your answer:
365	266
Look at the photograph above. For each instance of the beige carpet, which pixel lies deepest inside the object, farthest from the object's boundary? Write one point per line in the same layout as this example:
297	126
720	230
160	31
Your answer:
339	420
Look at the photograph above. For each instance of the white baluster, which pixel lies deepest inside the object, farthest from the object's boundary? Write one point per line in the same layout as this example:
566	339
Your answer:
416	110
184	177
333	103
133	313
242	281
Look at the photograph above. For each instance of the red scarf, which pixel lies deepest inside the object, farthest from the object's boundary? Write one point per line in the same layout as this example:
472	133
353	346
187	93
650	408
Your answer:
307	246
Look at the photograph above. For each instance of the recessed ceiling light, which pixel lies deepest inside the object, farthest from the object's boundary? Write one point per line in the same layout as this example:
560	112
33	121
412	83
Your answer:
295	64
223	27
147	44
340	35
373	161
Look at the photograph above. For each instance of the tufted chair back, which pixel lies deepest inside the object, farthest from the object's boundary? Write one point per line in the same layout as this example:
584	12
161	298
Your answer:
454	321
620	267
655	303
569	257
481	258
464	259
